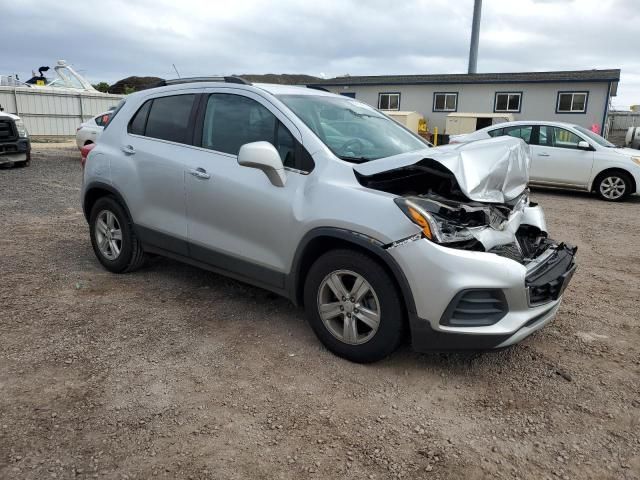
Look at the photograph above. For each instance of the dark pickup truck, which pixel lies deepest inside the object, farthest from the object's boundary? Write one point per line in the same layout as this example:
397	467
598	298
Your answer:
15	147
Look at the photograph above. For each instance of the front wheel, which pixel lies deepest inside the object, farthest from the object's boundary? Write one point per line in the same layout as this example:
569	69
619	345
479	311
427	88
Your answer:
353	306
614	186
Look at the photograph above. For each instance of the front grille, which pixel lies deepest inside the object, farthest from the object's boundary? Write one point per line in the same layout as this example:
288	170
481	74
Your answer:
7	131
475	308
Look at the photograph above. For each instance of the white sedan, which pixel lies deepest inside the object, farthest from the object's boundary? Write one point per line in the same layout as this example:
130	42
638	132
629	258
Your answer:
569	156
89	131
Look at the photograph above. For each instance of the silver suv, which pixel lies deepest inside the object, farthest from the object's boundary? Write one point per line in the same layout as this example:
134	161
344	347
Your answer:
332	204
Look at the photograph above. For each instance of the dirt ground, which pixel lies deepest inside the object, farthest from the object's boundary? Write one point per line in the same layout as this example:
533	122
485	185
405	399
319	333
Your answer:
174	372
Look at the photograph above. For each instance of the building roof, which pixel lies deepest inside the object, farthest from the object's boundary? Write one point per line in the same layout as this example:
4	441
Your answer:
611	75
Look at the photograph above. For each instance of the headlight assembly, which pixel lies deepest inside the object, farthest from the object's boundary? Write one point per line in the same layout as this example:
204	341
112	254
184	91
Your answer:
22	131
434	227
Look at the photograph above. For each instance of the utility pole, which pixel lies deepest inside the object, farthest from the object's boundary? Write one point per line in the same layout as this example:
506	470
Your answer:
475	37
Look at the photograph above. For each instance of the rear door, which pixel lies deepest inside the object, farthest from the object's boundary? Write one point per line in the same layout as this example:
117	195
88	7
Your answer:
238	221
156	140
556	158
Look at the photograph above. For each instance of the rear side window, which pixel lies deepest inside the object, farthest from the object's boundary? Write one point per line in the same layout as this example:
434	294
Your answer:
101	120
523	132
166	118
231	121
169	118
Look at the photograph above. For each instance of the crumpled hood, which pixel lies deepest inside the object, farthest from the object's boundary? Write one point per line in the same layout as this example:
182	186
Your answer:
493	171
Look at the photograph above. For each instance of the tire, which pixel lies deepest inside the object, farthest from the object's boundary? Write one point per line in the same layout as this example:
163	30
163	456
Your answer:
613	186
23	164
129	256
360	343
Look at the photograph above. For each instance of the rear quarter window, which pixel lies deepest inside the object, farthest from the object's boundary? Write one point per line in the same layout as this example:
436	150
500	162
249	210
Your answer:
139	120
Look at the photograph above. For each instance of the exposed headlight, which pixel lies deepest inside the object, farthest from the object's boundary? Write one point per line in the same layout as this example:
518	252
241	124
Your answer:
22	131
436	228
636	160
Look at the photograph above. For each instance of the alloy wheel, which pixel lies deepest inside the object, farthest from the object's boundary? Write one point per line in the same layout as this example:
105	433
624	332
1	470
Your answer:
349	307
108	235
612	188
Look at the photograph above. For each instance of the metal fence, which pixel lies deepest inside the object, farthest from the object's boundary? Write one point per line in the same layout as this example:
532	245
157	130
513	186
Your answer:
51	113
623	120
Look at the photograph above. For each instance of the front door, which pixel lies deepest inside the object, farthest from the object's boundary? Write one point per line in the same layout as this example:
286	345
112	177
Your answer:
556	158
237	220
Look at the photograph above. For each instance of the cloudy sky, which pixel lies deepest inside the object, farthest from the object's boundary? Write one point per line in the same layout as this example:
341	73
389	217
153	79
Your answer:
111	39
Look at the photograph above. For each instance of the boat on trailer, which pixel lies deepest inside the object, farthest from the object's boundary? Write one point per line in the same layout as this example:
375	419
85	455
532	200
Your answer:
53	105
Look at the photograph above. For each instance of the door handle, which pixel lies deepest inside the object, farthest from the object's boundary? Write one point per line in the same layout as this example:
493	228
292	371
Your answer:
128	149
544	155
200	173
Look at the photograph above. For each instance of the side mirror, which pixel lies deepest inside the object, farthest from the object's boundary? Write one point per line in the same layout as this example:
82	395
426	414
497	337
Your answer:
584	145
265	157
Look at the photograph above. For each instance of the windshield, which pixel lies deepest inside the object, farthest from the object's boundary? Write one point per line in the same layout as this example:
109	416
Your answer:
352	130
594	136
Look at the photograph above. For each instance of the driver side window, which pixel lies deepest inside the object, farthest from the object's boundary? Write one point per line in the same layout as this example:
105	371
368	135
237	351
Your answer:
230	121
558	137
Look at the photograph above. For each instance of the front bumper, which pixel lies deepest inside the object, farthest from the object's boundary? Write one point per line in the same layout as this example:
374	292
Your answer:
437	275
15	151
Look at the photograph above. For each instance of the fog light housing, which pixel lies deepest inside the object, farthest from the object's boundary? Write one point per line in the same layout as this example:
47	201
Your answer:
475	308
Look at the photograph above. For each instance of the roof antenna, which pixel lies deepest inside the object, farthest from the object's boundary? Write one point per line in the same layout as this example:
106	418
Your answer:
174	67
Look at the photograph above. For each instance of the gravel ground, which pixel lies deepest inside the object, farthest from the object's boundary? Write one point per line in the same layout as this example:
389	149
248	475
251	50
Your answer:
175	372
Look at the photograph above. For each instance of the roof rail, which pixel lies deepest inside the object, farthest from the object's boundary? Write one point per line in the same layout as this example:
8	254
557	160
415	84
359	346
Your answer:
229	79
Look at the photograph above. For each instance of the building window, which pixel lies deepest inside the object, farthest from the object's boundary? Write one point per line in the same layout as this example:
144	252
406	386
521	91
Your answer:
445	101
389	101
572	102
508	102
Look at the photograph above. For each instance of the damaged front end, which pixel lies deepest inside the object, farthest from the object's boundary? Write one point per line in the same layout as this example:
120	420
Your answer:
484	206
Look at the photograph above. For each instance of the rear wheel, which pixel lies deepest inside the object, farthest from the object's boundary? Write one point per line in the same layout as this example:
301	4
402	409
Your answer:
353	306
112	236
613	186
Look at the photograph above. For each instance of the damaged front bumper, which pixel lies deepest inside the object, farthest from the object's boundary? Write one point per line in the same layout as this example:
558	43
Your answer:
478	300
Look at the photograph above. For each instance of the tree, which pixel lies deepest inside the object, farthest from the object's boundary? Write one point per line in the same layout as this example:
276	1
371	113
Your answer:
102	87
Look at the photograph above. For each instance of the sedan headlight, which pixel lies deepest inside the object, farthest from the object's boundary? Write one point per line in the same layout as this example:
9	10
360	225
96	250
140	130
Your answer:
636	160
22	131
434	227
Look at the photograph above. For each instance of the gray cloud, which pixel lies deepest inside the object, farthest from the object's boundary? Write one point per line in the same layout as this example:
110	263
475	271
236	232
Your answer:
116	38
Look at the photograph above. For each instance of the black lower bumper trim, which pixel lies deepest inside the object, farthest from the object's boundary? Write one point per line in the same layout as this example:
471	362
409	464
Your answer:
426	339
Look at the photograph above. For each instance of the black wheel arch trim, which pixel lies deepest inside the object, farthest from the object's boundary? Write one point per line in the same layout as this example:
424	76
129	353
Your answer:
295	281
102	186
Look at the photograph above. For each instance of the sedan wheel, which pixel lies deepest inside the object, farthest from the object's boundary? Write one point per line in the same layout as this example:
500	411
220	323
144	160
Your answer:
613	187
349	307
